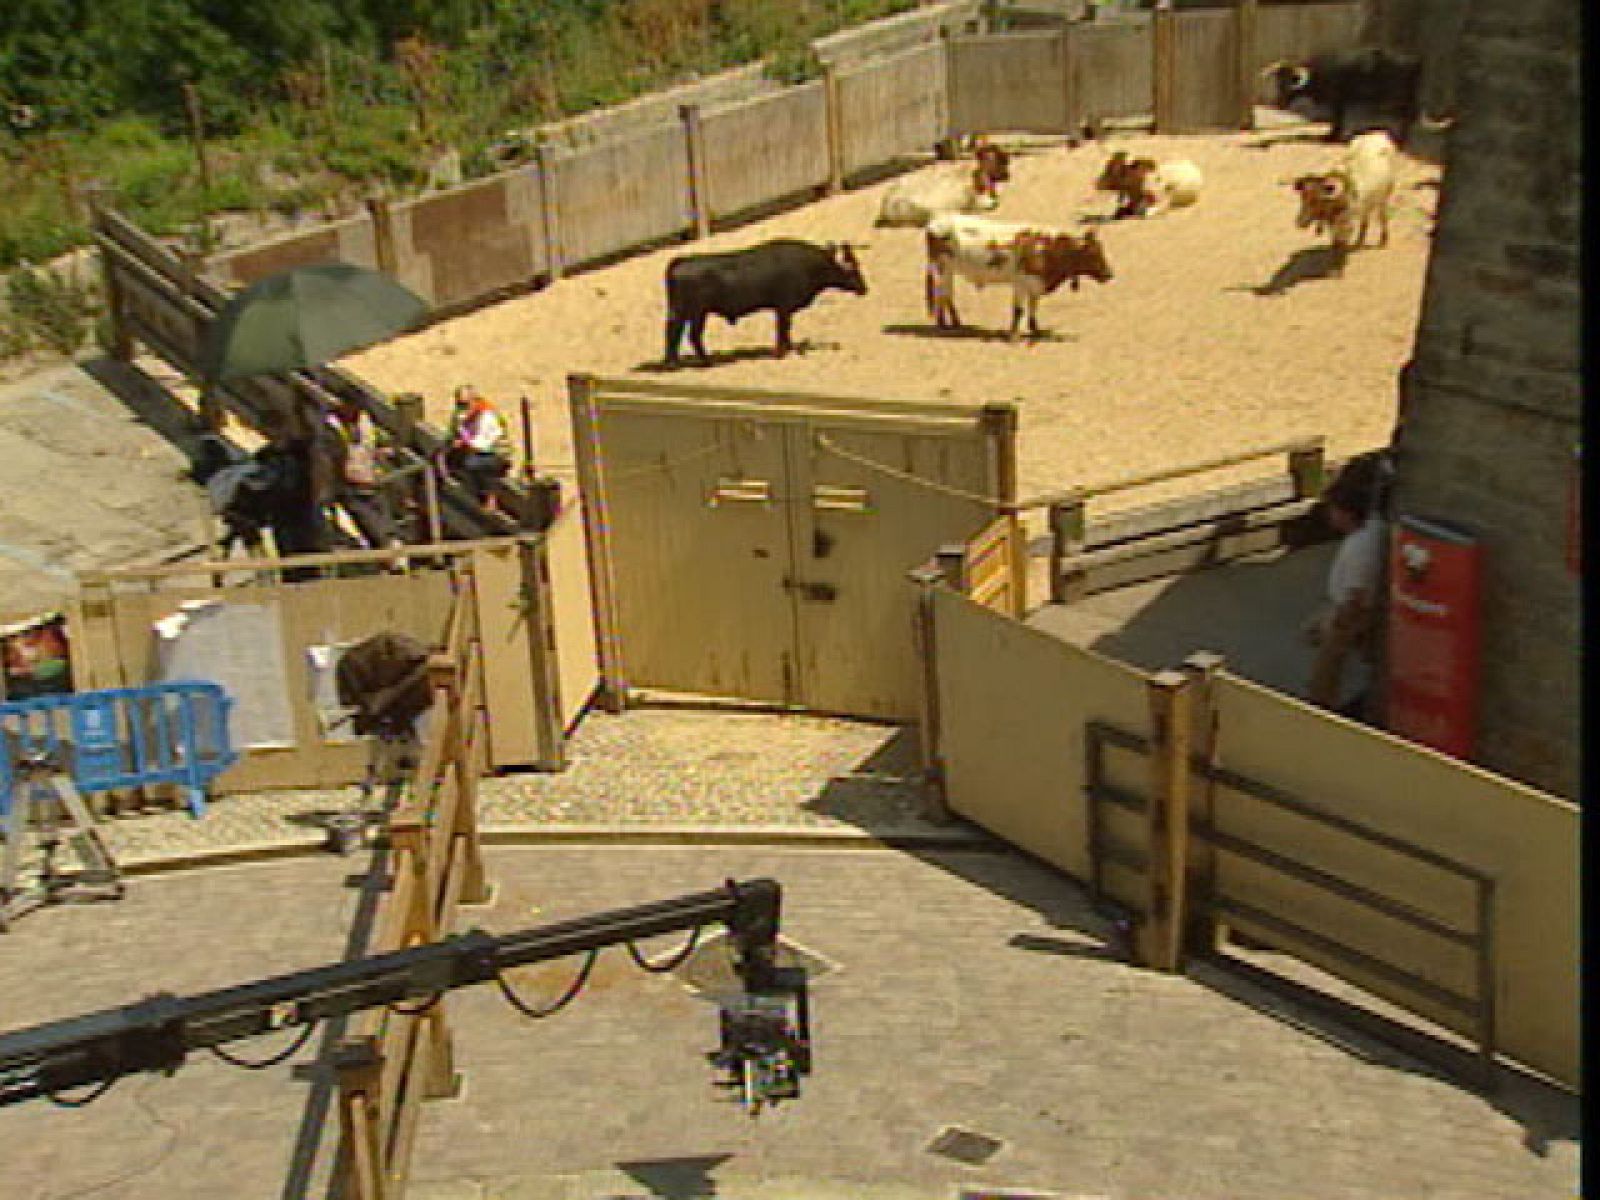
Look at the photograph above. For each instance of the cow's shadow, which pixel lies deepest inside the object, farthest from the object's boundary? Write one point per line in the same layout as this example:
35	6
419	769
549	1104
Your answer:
1297	137
723	358
1311	262
973	333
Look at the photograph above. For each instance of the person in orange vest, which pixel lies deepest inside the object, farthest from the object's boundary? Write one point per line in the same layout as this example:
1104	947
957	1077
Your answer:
478	447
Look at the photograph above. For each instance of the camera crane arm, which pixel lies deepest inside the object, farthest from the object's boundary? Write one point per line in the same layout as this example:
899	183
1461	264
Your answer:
158	1033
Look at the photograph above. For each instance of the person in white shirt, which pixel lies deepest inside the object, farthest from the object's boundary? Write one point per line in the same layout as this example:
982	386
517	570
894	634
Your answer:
479	446
1344	629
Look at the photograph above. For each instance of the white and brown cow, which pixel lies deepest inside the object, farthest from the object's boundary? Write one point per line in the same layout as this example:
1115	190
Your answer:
1033	260
914	202
1345	199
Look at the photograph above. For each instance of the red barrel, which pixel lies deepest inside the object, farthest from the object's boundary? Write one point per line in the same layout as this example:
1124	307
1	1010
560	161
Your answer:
1434	643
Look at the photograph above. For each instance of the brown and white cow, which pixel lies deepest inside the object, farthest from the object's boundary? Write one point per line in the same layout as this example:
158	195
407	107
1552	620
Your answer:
1345	199
1034	261
1144	186
914	202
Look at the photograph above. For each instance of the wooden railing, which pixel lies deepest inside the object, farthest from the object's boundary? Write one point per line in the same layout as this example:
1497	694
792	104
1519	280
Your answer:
1167	538
401	1056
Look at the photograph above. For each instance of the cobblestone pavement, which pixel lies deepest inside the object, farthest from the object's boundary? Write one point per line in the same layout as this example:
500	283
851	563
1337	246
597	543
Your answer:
648	767
966	989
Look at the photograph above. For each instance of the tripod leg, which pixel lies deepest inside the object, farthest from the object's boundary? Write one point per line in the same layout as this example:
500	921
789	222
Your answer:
86	839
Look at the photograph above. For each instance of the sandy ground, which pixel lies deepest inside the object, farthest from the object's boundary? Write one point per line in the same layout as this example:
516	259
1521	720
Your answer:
1222	330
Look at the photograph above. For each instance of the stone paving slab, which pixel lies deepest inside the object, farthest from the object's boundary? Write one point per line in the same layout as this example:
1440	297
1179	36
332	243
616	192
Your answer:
969	989
975	990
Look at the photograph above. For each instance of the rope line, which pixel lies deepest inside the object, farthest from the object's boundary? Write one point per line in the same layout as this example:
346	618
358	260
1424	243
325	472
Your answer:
933	485
651	468
83	1101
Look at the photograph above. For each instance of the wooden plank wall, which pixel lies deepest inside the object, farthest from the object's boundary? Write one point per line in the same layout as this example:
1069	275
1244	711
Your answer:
1010	81
766	149
1296	31
350	240
1111	70
572	604
1204	70
894	35
1013	702
621	194
892	108
454	246
1526	840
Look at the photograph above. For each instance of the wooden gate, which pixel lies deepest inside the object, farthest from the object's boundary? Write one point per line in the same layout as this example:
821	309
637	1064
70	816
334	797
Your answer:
1197	77
756	545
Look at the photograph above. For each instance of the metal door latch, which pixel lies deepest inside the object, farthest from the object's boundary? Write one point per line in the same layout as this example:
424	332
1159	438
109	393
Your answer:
822	593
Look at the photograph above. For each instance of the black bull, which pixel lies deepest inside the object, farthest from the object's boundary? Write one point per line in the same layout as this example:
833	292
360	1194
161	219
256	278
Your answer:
784	276
1380	88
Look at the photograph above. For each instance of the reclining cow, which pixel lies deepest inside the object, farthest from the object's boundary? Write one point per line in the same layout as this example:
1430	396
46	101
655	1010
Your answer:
1145	187
783	275
914	202
1034	261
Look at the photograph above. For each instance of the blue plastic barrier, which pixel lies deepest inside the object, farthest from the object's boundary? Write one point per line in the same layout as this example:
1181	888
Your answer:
124	737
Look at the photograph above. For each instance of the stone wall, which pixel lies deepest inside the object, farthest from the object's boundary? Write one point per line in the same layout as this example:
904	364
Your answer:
1492	398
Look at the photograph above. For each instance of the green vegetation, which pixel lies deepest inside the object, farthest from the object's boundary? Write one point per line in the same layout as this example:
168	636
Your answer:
305	101
46	310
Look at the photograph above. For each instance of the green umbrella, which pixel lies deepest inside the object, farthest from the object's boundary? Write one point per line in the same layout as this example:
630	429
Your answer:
305	317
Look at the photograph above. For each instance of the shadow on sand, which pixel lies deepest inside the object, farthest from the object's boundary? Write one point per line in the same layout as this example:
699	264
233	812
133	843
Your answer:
972	333
1312	262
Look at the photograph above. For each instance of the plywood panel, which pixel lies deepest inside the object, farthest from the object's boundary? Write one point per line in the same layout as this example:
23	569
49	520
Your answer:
476	239
349	240
766	149
1013	704
1526	840
892	107
572	601
620	194
1008	81
1110	63
1205	71
511	678
870	507
1297	31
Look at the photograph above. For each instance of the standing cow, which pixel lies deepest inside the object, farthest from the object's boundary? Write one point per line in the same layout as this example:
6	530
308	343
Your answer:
783	275
1032	260
1380	87
1345	199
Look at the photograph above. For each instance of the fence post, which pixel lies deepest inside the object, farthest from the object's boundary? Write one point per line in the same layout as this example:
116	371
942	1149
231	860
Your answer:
1244	33
1069	116
699	192
116	298
1162	67
1204	931
596	533
358	1065
835	121
935	806
544	155
382	233
1160	937
1068	537
1000	423
444	680
1308	468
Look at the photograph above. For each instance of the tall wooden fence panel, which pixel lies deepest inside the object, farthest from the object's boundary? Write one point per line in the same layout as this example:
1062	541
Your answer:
1297	31
483	237
1111	70
1204	72
1012	81
1013	705
1527	842
766	149
891	107
660	109
572	601
894	35
621	194
350	240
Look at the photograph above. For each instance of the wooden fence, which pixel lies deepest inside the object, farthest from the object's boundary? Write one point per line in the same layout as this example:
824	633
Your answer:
532	684
657	171
400	1056
1200	801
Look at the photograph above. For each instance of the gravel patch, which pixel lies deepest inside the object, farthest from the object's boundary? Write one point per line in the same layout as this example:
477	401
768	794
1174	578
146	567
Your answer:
649	767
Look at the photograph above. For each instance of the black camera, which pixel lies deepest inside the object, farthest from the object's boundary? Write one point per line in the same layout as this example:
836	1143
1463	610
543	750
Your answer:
766	1040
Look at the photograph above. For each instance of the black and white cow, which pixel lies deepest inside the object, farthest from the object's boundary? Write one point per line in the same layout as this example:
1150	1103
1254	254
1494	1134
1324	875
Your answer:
784	276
